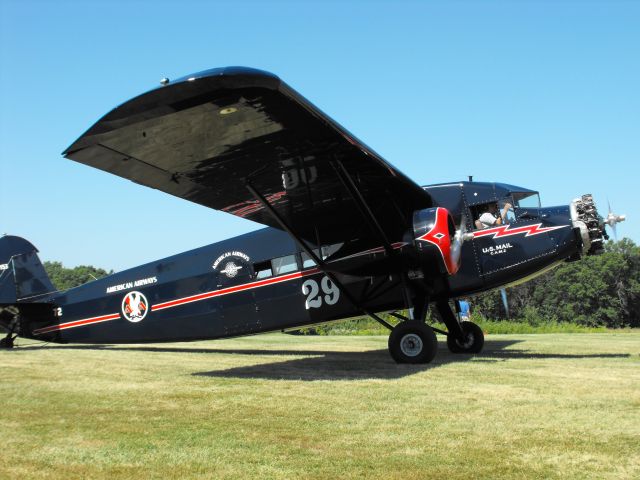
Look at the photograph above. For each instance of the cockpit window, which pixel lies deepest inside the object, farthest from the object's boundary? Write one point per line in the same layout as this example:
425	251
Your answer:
527	199
527	205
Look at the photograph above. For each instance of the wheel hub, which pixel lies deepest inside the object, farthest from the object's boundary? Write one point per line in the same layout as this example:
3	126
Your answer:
468	341
411	345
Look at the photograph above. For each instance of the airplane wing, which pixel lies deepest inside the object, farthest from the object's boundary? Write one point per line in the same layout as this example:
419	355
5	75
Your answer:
206	137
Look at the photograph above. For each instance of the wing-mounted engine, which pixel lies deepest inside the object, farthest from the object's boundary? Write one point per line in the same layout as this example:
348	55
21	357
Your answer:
436	240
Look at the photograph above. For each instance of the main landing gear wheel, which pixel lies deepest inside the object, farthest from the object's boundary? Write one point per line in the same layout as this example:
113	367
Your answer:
474	339
413	342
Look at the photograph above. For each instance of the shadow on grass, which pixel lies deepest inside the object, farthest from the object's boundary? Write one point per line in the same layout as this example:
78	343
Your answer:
310	365
332	365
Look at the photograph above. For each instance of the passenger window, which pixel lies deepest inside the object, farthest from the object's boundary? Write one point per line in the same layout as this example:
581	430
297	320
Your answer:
284	264
263	270
307	261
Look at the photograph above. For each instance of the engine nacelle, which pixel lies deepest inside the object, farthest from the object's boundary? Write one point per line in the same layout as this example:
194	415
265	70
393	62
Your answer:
435	239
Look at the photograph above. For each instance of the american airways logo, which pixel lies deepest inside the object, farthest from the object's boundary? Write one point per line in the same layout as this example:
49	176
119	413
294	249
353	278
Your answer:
506	231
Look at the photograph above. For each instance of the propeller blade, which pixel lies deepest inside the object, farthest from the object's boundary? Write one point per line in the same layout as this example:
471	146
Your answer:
613	219
505	303
458	240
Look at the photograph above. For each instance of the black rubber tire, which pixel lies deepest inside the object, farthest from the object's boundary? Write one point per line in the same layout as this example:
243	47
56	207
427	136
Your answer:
413	342
474	343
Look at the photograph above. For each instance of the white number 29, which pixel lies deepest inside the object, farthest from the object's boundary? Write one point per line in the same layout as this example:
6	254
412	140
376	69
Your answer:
311	289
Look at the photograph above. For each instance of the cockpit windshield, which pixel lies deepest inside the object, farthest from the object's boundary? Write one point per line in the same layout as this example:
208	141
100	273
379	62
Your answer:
526	199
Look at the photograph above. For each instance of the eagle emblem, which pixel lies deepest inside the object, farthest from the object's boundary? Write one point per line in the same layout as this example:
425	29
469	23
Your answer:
134	306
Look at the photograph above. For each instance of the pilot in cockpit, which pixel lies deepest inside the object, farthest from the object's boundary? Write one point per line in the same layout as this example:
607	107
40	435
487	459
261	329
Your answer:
491	218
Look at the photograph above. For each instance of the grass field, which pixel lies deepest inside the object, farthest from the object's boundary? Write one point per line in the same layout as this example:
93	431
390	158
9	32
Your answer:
280	407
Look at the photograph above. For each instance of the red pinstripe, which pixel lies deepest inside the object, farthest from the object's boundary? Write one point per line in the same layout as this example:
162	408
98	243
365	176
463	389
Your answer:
181	301
228	290
77	323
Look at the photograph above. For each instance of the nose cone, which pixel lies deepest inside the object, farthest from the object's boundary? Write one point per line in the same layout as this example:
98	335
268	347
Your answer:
613	219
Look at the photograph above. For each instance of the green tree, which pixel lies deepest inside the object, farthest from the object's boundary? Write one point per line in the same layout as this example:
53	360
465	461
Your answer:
602	290
65	278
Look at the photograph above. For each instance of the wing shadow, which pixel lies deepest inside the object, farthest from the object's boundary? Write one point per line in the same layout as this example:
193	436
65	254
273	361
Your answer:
331	365
311	365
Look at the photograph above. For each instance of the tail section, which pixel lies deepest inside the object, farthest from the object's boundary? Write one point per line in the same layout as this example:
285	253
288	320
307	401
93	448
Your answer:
24	289
22	275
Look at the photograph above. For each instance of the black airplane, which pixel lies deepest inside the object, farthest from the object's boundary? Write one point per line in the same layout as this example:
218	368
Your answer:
347	233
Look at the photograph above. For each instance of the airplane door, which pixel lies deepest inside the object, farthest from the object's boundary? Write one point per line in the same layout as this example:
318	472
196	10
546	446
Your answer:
281	304
511	244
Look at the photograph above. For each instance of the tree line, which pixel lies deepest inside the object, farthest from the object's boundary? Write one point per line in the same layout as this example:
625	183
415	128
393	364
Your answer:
65	278
601	290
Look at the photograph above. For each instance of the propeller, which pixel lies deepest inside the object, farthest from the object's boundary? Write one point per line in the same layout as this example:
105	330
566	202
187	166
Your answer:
505	303
458	239
612	220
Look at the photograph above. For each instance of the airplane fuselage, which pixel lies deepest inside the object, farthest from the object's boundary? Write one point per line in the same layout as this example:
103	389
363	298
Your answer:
349	234
262	281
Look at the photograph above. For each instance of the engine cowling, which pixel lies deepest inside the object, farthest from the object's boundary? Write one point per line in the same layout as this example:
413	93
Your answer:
436	240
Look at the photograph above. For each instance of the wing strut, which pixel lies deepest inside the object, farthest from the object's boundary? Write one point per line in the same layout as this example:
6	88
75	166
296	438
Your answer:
368	215
319	262
370	218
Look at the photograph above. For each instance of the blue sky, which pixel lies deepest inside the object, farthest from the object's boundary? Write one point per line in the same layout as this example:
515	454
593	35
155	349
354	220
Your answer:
539	94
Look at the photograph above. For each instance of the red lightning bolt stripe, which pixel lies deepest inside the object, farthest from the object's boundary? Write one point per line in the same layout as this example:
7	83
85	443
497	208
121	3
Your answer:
506	231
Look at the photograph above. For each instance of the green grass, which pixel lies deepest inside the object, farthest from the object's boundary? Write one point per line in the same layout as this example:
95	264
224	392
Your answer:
368	326
281	407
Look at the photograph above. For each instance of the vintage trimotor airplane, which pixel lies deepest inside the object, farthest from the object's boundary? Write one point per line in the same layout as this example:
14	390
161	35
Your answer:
347	233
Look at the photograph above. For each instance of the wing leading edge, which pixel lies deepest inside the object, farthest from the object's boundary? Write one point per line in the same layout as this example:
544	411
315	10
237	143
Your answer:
206	136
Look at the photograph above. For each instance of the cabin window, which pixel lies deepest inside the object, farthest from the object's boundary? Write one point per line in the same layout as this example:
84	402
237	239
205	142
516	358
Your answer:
307	261
262	270
284	264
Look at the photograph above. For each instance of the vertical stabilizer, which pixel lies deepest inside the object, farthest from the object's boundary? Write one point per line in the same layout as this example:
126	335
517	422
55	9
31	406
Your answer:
22	275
